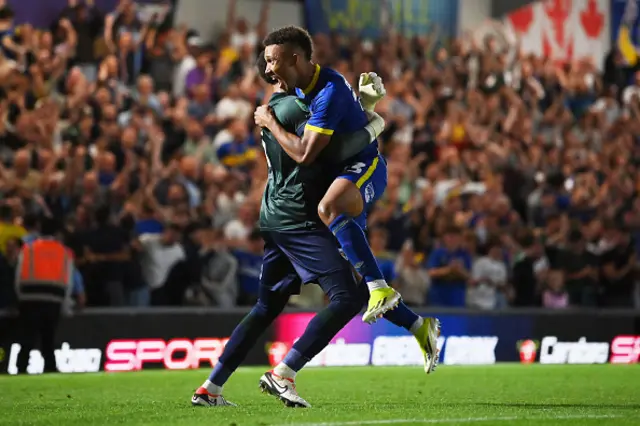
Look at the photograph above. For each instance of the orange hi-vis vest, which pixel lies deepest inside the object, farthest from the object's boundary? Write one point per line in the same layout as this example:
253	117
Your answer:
45	272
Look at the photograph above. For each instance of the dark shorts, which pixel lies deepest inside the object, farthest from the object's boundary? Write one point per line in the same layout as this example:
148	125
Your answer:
300	257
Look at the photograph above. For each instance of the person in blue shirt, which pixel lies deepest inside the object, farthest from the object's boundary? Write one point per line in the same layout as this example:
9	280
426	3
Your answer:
147	223
449	267
31	224
249	269
335	109
8	46
239	150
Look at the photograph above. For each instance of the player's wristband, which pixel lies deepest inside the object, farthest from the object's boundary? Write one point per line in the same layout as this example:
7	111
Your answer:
376	125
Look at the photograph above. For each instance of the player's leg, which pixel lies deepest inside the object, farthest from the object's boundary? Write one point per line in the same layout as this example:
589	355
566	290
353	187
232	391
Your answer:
278	282
50	314
344	201
29	323
425	330
344	305
316	259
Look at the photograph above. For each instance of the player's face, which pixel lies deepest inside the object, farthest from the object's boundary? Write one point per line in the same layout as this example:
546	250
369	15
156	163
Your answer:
281	65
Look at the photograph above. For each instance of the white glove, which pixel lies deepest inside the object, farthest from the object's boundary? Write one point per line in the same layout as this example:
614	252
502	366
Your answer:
371	90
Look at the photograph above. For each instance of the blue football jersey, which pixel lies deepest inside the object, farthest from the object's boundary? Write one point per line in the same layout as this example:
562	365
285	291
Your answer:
335	107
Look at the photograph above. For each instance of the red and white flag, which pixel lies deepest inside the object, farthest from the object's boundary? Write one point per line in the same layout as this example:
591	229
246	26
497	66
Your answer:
564	30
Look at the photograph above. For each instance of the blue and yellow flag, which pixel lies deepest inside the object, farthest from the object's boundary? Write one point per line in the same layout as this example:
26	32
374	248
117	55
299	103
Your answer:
368	18
624	28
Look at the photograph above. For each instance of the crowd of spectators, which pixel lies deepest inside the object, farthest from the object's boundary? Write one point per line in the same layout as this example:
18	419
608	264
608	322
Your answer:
513	177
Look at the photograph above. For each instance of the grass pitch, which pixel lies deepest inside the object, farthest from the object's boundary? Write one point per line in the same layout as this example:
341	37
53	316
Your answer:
493	395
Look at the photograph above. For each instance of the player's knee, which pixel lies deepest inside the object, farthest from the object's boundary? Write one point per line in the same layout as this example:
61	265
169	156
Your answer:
354	306
260	309
327	211
265	309
348	302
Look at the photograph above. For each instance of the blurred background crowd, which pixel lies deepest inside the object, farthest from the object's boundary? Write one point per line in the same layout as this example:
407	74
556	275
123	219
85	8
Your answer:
514	176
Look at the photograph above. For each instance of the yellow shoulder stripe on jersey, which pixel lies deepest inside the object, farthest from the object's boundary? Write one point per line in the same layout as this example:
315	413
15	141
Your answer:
320	130
314	80
365	177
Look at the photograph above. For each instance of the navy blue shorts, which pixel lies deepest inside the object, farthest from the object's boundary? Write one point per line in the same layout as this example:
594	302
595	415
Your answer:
370	176
300	257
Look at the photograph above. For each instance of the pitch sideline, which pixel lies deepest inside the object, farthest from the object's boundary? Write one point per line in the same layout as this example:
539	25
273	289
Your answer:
460	420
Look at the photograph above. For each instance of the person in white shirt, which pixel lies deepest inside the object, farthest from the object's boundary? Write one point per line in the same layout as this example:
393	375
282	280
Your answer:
241	32
160	253
184	63
228	202
631	94
233	105
489	277
238	229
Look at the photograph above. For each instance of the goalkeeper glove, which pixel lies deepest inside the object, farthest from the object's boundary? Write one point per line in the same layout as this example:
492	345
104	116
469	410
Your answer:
371	90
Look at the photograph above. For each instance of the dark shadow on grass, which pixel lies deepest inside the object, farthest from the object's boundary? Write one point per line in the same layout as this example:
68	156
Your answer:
540	406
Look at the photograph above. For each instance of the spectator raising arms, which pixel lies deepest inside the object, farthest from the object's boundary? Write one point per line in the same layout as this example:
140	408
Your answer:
512	179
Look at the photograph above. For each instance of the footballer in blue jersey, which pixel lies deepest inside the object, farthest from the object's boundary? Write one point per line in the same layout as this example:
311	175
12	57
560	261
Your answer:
335	109
298	251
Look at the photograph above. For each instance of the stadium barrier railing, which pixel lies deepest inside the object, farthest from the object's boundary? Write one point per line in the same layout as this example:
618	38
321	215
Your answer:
122	339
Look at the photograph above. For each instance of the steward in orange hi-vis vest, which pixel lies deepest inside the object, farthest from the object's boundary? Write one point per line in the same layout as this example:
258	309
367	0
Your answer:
46	278
45	271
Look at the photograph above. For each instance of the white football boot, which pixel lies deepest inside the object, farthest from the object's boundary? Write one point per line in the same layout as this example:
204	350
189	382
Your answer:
205	399
282	388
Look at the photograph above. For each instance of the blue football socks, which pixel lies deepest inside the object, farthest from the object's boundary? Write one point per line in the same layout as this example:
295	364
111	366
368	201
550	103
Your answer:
356	247
402	316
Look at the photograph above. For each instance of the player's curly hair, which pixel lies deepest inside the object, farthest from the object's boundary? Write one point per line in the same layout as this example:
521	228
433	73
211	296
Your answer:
295	36
261	65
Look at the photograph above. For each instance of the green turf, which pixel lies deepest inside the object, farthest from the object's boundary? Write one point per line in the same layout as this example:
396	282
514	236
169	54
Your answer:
501	395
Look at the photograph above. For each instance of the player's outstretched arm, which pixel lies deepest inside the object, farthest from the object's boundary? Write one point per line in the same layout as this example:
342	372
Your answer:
343	147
